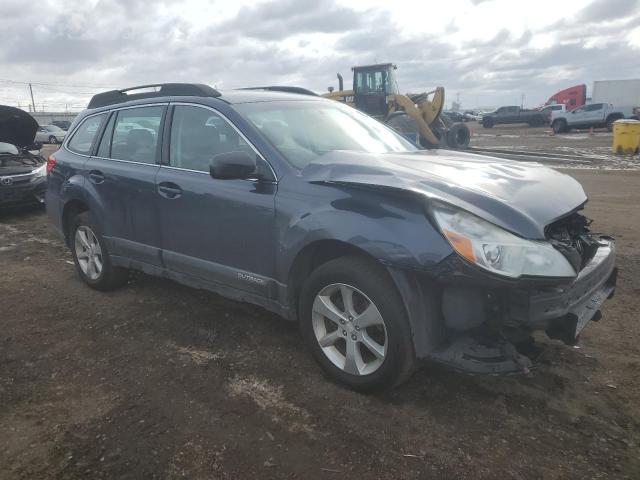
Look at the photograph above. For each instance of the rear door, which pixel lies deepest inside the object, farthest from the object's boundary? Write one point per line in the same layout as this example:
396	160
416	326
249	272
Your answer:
121	182
217	230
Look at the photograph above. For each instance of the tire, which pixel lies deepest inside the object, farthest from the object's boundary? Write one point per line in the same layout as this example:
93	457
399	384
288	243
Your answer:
53	140
487	122
458	136
559	126
369	285
107	277
610	121
536	122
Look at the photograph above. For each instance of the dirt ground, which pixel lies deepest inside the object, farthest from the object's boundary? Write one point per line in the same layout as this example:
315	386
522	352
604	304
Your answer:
160	381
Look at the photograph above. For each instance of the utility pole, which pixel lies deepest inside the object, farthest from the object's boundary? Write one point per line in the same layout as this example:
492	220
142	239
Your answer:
32	101
522	101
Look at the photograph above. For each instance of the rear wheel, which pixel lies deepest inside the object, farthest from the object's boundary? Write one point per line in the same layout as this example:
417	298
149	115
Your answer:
536	122
610	122
354	322
91	257
53	140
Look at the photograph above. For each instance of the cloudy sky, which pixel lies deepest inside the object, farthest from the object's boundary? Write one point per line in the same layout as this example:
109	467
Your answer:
490	52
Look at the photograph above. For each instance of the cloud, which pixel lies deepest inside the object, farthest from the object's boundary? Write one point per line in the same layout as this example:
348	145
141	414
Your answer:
85	47
604	10
277	20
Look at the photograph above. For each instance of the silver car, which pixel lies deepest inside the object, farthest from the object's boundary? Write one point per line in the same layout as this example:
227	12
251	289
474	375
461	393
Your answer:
50	134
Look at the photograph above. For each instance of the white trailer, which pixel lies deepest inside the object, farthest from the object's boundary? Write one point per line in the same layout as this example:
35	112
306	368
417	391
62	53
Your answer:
620	93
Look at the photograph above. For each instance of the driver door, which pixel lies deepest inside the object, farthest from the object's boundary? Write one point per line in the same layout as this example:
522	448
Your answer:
220	231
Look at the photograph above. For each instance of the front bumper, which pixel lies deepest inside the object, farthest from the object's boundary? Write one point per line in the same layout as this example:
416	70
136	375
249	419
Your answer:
564	310
472	321
31	191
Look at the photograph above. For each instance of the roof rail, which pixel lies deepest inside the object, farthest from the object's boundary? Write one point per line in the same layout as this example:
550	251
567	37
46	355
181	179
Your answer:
286	89
113	97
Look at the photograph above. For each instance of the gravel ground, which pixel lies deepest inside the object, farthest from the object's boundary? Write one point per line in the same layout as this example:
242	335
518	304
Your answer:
156	380
579	149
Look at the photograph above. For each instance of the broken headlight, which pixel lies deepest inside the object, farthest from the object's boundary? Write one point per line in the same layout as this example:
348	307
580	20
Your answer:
497	250
39	172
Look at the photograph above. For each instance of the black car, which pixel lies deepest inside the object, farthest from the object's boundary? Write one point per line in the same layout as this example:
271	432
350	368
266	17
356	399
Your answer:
22	172
383	253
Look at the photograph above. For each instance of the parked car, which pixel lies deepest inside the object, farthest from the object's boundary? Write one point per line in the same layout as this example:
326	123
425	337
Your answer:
472	115
50	134
505	115
592	115
22	169
63	124
454	116
383	253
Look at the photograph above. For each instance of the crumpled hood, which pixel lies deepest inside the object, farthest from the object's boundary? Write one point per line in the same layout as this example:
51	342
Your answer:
17	127
522	197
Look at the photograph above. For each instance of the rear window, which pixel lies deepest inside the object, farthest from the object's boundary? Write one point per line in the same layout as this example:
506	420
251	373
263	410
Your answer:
85	134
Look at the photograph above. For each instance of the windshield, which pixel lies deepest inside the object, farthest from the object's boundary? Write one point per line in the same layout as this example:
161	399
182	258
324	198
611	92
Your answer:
303	131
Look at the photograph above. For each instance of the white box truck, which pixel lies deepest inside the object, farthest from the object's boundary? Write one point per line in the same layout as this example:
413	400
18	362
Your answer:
620	93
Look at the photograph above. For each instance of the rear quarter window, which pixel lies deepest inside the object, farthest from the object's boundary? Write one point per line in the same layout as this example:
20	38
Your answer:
85	134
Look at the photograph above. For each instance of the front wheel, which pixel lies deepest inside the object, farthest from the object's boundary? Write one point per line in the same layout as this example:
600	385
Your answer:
559	126
91	257
354	322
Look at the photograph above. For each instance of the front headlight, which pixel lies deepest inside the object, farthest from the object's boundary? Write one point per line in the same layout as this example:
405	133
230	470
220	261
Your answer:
39	172
497	250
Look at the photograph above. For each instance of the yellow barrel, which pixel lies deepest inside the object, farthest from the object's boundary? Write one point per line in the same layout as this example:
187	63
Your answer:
626	136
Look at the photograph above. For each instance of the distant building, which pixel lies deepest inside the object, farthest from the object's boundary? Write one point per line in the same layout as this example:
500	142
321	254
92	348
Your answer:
46	118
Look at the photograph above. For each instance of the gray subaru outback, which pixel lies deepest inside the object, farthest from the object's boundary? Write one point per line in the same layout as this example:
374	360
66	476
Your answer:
385	254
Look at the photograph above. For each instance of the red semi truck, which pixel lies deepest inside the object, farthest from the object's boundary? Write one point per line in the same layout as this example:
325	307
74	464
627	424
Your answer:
572	97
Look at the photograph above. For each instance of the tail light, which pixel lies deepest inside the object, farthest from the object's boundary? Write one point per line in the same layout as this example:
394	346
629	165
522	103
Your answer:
51	162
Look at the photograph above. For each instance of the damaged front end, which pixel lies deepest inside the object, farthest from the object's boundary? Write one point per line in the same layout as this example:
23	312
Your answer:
488	321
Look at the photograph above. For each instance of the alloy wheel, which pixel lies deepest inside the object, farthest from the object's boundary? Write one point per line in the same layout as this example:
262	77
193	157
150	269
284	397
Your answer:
88	252
349	329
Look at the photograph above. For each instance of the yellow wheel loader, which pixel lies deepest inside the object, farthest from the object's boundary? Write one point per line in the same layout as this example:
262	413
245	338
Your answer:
417	117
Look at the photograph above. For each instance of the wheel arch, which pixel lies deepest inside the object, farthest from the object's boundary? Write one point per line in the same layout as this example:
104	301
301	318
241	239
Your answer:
72	208
312	256
419	296
612	117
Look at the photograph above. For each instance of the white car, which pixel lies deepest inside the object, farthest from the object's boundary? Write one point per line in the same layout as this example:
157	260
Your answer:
50	134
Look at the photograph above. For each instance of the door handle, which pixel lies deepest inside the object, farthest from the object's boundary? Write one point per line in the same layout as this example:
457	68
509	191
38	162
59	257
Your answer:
96	176
169	190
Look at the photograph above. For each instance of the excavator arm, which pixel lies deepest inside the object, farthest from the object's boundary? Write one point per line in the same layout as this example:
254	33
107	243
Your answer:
424	111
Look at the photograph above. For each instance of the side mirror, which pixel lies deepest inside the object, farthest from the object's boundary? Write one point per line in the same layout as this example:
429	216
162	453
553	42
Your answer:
232	166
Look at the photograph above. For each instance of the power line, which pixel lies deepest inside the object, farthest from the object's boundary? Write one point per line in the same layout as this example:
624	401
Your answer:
17	82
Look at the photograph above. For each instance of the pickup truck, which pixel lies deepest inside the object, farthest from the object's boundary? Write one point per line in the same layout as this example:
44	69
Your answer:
515	115
594	115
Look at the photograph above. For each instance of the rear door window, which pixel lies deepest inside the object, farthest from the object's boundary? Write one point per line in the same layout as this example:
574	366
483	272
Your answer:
85	134
135	134
593	107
